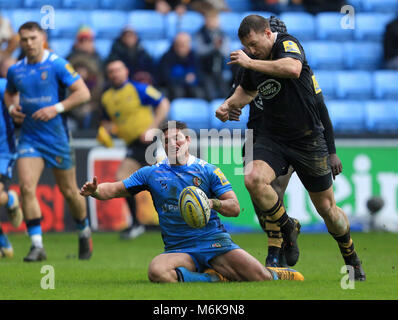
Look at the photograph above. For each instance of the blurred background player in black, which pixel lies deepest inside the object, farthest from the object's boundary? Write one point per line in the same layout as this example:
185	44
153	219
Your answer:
275	257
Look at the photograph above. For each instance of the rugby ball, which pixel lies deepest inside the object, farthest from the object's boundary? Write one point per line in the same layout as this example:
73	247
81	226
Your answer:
194	207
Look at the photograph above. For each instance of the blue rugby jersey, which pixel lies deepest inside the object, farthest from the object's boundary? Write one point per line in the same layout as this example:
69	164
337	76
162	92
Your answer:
165	183
7	137
41	85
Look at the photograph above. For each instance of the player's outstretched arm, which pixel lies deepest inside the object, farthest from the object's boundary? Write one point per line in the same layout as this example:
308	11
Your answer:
104	191
227	204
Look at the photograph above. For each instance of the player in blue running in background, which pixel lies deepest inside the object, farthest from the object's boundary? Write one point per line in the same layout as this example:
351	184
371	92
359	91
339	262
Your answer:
8	198
35	97
191	255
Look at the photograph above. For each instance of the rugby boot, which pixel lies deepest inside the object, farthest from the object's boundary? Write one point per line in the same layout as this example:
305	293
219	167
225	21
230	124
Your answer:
286	274
290	246
35	254
85	247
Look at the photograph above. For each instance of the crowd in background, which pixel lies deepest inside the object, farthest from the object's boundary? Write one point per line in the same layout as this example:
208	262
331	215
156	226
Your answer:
194	66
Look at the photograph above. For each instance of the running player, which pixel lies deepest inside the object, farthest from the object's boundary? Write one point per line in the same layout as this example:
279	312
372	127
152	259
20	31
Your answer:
293	132
8	198
189	252
35	97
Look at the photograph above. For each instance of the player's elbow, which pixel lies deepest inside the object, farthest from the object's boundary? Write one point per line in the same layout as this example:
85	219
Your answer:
85	95
235	210
295	70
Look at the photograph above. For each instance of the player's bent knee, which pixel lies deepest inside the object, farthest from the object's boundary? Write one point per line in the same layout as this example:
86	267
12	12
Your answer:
254	181
161	274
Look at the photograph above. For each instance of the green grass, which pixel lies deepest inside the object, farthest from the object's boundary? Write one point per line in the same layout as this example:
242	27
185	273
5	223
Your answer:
118	270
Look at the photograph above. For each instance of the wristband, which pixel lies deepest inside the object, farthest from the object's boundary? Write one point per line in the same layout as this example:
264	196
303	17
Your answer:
10	108
59	107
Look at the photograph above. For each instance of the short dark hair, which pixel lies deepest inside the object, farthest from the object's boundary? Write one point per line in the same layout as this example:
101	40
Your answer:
172	124
252	22
30	25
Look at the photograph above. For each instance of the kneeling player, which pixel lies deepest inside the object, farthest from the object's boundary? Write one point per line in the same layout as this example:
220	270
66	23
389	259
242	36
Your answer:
189	252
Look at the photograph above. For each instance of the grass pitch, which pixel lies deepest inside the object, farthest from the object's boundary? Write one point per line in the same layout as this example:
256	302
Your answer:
118	270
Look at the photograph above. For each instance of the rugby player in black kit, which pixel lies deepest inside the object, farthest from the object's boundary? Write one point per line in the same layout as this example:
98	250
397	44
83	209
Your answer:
291	134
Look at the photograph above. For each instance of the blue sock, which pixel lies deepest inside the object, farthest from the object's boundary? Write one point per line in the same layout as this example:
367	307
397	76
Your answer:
34	231
4	242
81	224
184	275
10	200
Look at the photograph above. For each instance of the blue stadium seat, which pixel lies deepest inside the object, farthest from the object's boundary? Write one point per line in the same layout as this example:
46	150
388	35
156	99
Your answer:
347	116
148	24
357	4
121	4
324	54
382	116
328	27
67	22
62	47
156	48
300	24
194	112
380	5
363	55
103	47
385	84
11	4
218	124
107	23
239	5
80	4
229	23
41	3
327	82
371	26
235	45
20	16
354	85
189	22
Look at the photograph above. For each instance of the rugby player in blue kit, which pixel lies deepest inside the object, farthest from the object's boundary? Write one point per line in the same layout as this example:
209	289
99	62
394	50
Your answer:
207	254
35	97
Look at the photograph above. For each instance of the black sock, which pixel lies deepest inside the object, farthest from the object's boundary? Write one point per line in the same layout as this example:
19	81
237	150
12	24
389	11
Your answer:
133	211
277	214
347	249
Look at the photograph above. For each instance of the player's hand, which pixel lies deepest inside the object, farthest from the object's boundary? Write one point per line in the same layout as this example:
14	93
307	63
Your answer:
234	114
335	165
89	188
17	115
239	57
45	114
147	136
222	112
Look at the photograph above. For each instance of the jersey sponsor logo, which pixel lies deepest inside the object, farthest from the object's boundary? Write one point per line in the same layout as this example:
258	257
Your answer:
221	176
317	88
59	159
269	88
153	93
197	181
291	46
258	102
44	75
70	69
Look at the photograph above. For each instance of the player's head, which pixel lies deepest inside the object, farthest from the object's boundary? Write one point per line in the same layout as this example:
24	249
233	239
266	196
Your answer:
32	39
117	72
176	141
255	34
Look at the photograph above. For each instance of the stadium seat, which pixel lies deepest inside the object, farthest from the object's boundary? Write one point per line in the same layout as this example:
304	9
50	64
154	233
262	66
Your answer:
103	46
20	16
354	85
194	112
67	23
371	26
380	5
328	27
190	22
235	45
218	124
156	48
239	5
62	47
41	3
324	54
299	24
80	4
357	4
385	84
108	24
229	24
347	116
14	4
382	116
327	83
126	5
148	24
363	55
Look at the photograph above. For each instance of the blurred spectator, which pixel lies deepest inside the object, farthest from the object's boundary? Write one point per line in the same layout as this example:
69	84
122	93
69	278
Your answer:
164	7
391	45
212	47
203	6
5	64
8	37
87	62
316	6
128	49
178	70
